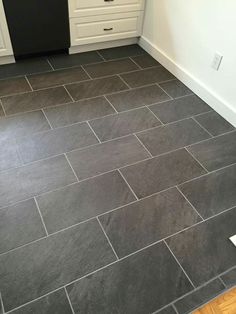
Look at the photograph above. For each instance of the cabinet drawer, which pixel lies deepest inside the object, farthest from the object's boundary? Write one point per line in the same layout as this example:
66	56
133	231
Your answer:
92	8
105	27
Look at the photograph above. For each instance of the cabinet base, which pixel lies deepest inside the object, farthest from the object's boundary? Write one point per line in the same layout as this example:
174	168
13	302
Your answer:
103	45
7	60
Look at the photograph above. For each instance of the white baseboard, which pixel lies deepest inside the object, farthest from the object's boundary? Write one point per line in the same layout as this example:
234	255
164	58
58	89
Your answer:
7	60
211	98
103	45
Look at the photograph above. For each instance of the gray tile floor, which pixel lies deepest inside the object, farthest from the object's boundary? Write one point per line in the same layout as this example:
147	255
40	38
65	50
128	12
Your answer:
117	188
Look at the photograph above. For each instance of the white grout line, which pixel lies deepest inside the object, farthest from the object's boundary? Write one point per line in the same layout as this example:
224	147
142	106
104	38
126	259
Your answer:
128	184
110	104
179	264
108	240
83	68
141	143
211	136
71	167
1	304
158	119
129	87
196	160
140	68
67	295
191	205
51	65
40	214
99	141
72	99
175	309
26	78
100	55
46	120
3	109
158	84
222	282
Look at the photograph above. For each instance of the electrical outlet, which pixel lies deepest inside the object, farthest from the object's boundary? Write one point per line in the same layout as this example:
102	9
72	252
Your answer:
216	61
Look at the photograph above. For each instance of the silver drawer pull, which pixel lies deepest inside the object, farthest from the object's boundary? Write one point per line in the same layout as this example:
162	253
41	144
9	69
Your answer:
108	29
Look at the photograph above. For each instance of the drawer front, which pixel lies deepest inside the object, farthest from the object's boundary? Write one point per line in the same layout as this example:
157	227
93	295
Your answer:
90	8
104	29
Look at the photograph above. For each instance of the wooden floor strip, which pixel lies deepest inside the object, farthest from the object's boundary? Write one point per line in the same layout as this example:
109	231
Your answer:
225	304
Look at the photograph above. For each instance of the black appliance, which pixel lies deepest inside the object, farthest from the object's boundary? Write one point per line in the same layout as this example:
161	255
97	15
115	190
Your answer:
37	26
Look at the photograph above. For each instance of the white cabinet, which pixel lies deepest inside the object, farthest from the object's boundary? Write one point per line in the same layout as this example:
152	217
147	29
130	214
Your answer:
100	23
5	42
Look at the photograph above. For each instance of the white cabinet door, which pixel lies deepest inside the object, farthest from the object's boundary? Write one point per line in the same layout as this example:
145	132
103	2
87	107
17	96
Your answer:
5	42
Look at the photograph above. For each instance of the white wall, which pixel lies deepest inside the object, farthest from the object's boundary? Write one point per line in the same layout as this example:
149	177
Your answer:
184	35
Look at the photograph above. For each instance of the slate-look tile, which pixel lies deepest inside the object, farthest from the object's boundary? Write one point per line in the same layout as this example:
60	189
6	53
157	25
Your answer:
55	142
19	224
24	67
216	152
121	52
23	124
66	61
208	244
181	108
145	61
9	157
199	297
97	87
230	278
172	136
56	303
35	100
137	97
1	110
135	226
214	123
107	156
59	77
162	172
142	283
39	177
84	200
176	88
78	111
147	76
124	123
13	86
168	310
43	266
213	193
110	68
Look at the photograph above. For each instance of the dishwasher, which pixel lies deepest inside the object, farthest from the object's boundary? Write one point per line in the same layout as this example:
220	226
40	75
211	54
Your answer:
37	27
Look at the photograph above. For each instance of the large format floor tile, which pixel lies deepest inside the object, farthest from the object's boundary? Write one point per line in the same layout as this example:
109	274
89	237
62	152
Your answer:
107	156
145	61
23	124
59	77
137	97
78	111
19	224
9	156
147	76
1	110
229	278
214	123
142	283
175	88
168	310
14	86
35	100
39	177
81	201
217	152
135	226
213	193
208	244
121	52
162	172
96	87
181	108
55	302
24	67
38	268
110	68
199	297
55	142
124	123
66	61
169	137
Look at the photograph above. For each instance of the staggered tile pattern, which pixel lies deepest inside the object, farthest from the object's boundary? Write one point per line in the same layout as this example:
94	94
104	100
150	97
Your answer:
117	188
